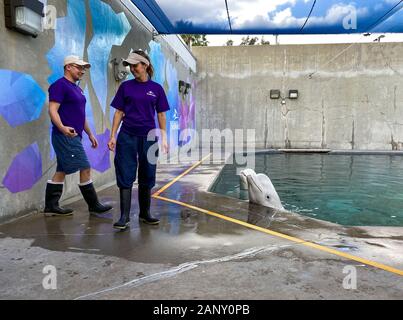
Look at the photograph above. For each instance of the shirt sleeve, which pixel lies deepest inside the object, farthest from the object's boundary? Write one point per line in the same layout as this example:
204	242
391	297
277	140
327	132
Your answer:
162	102
118	101
56	92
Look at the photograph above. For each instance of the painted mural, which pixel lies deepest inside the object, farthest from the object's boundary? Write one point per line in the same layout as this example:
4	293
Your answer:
89	114
171	77
69	38
22	99
187	116
99	157
181	115
25	170
109	29
158	61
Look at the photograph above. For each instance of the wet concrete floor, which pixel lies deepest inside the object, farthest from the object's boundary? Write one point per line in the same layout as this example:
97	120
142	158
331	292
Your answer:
193	255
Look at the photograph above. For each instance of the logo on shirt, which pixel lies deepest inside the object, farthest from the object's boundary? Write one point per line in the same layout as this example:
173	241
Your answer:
150	93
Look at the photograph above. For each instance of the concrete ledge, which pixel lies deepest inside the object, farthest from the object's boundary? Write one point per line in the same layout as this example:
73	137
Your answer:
305	150
367	152
328	151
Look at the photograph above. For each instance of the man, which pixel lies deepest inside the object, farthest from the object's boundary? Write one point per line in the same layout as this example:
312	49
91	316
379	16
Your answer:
67	113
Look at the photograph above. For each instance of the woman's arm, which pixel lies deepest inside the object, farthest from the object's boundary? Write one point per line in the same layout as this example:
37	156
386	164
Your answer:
162	121
117	119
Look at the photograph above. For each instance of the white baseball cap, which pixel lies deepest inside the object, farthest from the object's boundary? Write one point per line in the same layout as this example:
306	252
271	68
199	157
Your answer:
135	58
76	60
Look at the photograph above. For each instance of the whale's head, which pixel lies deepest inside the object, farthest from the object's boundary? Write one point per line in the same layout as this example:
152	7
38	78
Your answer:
243	178
261	191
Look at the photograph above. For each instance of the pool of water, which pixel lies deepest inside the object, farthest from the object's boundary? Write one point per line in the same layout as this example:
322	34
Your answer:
355	190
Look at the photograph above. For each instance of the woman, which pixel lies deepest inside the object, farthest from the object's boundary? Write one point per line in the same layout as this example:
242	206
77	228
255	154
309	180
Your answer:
136	103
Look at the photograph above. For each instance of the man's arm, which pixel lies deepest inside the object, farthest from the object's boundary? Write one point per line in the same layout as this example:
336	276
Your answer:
55	117
94	141
87	129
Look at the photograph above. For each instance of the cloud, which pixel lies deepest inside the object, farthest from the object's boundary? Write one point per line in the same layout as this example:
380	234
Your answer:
197	12
203	11
284	19
269	15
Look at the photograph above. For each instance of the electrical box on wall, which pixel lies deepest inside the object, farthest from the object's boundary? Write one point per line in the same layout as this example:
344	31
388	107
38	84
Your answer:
24	16
293	94
275	94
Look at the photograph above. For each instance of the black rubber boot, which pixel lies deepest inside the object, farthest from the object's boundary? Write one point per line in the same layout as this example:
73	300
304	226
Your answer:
125	205
145	202
90	196
52	197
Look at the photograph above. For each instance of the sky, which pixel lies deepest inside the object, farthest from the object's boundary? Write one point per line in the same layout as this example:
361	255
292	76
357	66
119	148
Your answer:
283	16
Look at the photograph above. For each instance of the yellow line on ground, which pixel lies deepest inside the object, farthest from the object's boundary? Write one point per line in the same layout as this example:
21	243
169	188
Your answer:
181	175
284	236
156	195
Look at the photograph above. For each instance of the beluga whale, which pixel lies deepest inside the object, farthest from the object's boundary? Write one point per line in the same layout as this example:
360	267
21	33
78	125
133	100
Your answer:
260	189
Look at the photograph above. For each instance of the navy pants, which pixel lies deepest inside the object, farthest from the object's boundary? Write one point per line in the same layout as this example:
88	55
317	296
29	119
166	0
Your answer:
131	154
70	154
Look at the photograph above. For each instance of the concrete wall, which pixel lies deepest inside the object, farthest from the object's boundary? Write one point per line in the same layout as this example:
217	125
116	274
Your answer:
354	100
99	31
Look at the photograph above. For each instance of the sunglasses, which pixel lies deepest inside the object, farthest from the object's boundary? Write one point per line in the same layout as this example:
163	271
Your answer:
81	68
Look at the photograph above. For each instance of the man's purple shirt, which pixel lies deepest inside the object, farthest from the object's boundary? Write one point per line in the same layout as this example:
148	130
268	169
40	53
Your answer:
72	104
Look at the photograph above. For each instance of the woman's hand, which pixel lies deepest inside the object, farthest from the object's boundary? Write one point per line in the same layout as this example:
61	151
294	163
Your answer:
164	145
94	141
112	144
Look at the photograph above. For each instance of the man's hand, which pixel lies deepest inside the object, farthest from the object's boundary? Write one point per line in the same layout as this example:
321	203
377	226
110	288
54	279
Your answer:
69	132
94	141
112	144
